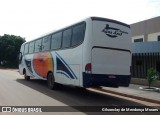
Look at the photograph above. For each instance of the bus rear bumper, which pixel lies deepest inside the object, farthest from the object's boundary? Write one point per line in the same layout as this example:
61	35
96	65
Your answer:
93	80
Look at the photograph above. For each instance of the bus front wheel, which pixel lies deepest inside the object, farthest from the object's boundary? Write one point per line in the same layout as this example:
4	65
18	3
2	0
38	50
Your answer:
51	81
26	77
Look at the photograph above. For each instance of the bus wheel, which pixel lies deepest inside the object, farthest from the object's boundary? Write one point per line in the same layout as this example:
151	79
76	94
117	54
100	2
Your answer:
51	81
25	76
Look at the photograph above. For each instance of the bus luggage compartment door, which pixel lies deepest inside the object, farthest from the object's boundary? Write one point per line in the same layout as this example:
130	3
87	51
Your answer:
109	61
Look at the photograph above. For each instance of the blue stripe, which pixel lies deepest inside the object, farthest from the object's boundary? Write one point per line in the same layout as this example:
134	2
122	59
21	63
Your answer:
28	68
61	72
28	65
66	65
61	67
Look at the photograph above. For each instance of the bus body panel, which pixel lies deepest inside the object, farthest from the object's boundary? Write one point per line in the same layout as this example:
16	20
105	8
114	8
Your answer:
64	65
68	66
103	58
87	44
34	66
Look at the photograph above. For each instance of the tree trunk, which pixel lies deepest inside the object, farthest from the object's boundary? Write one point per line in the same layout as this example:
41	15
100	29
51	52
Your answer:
149	83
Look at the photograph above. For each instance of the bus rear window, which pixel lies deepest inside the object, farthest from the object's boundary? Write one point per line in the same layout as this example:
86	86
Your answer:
78	34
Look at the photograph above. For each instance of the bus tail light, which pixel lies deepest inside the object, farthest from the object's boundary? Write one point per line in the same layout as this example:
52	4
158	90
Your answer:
88	68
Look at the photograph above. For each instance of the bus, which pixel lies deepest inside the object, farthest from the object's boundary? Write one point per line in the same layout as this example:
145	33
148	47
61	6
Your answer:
91	53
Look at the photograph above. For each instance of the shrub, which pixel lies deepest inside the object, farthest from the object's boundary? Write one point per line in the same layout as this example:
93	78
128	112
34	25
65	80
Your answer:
151	76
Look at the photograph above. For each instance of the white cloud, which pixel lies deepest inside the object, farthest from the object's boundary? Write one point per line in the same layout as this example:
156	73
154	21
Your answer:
31	18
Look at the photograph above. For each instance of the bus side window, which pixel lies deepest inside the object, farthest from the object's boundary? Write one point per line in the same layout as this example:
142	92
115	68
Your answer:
26	49
78	34
46	43
31	47
67	34
38	45
56	41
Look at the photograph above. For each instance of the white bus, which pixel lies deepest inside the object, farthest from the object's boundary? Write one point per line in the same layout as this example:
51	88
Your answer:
93	52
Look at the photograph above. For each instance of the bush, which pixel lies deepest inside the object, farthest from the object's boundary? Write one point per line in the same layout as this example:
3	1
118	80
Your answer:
151	76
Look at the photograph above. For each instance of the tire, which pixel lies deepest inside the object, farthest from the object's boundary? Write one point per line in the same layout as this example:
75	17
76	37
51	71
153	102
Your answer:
81	88
26	77
51	81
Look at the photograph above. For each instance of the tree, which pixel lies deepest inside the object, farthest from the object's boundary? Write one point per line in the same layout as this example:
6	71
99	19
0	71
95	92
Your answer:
151	76
9	49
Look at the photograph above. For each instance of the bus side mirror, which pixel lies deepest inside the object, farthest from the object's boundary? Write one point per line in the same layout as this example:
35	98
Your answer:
20	57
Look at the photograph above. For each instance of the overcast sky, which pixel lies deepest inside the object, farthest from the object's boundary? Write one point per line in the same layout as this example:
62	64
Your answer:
33	18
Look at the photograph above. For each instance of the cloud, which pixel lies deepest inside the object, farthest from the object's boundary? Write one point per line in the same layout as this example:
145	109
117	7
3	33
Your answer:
32	18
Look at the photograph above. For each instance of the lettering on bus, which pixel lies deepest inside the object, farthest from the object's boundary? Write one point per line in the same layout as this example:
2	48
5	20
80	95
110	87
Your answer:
113	32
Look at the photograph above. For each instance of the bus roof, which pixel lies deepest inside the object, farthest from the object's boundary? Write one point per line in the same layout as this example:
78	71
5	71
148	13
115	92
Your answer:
92	18
110	20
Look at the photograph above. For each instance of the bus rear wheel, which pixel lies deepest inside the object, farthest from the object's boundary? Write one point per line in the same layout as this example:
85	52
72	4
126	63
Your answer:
51	81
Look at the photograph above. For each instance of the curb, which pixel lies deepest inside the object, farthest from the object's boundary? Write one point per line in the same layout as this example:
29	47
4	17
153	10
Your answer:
128	95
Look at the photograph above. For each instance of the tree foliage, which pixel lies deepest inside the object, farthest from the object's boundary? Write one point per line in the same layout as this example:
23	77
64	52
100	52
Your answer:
9	50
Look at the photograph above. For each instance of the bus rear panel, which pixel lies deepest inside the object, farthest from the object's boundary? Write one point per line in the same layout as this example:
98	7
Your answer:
110	54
